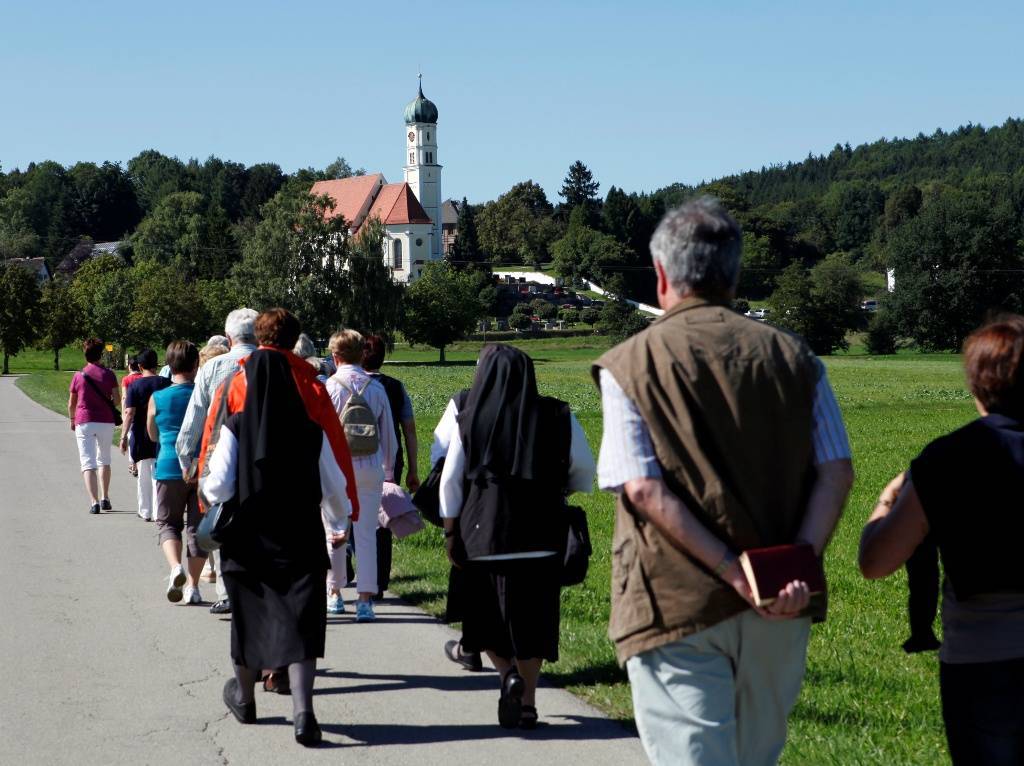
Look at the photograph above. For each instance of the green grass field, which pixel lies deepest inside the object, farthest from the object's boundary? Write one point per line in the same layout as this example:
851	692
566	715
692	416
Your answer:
864	701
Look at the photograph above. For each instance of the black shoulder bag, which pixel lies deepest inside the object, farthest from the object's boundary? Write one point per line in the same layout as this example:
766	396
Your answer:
576	557
110	402
428	497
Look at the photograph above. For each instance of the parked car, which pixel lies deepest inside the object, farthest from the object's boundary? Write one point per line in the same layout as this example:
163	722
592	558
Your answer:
758	314
869	305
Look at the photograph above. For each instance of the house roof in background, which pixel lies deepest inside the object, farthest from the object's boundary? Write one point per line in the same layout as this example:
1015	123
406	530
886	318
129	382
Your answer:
450	212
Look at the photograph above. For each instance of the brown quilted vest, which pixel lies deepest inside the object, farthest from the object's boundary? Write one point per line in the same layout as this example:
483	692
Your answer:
728	403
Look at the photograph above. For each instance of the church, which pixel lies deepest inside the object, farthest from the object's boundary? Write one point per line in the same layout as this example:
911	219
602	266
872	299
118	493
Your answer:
411	211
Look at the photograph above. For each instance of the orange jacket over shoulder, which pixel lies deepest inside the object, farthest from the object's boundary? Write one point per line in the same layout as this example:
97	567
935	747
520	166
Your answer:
318	406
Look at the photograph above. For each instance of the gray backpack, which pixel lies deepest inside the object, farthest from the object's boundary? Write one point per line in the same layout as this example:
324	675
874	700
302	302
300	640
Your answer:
359	424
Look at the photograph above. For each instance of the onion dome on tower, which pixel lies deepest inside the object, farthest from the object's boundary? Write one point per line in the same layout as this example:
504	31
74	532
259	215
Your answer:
420	109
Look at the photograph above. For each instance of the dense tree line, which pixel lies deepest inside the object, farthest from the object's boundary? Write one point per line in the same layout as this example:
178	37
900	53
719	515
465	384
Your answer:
945	212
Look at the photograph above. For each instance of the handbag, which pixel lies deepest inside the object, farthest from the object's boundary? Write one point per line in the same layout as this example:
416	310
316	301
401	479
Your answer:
428	497
217	525
576	557
110	402
397	512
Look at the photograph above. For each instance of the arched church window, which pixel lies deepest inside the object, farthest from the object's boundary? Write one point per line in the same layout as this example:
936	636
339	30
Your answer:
398	254
412	158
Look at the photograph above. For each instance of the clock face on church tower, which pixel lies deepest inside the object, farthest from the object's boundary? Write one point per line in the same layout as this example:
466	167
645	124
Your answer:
412	136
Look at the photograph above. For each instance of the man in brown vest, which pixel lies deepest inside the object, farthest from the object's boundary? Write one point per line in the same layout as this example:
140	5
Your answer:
721	434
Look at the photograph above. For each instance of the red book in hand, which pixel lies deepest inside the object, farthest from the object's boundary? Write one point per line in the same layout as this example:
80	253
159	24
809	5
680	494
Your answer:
769	570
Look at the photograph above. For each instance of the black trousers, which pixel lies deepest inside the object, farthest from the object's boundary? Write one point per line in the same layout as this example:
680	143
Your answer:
983	709
923	584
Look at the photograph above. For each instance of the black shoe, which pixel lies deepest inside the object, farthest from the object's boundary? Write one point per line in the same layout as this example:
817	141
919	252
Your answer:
95	508
245	713
307	730
221	607
510	705
468	660
529	719
925	643
105	504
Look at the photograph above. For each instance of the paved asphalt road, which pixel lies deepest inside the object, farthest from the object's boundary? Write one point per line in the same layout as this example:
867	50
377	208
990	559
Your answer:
99	668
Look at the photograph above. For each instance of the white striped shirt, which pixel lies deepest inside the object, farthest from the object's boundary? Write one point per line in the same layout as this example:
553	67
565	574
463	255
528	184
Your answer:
627	451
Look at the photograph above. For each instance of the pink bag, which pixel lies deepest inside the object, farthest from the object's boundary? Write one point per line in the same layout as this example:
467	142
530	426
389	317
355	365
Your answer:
397	513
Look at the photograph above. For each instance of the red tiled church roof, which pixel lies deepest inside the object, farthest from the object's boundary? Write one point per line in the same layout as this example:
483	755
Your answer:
352	196
363	197
397	204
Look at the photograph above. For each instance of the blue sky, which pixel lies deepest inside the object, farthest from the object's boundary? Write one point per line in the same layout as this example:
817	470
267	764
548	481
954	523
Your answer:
645	93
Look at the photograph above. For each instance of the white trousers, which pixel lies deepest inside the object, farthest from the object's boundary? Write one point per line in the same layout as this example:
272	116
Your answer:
147	488
94	442
369	487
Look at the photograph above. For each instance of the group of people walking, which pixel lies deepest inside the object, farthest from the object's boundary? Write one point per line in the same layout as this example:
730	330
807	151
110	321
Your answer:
721	435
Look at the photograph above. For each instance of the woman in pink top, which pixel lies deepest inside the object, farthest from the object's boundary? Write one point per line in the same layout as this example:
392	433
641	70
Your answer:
93	395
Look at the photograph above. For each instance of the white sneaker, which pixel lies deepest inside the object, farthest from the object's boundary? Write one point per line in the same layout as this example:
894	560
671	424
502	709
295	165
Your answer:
192	596
335	604
174	583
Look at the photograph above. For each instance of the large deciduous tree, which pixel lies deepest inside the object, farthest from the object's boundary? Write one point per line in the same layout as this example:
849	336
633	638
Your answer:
958	260
154	176
105	197
165	308
181	232
585	253
19	309
441	307
821	304
372	301
60	318
517	227
104	291
296	257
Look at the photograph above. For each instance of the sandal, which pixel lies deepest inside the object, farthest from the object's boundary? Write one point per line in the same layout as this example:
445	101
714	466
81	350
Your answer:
277	683
510	704
528	720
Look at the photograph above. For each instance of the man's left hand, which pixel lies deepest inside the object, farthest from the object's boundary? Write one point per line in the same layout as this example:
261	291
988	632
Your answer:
412	481
791	601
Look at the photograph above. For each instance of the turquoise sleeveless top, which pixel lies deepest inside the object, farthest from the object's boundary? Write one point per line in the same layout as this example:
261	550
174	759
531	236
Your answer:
171	404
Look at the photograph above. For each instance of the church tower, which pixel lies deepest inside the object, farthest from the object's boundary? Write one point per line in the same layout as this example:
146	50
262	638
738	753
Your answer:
422	171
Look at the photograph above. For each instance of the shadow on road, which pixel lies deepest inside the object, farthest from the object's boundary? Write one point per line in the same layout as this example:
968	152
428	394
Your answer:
559	728
382	683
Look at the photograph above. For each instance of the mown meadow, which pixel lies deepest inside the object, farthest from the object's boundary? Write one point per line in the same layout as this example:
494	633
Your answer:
864	701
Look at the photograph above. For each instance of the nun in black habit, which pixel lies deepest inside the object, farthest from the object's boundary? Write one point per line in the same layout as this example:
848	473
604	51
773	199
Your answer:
278	460
516	456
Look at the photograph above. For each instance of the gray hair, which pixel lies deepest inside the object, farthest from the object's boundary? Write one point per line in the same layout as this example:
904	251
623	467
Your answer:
304	347
698	244
217	340
240	326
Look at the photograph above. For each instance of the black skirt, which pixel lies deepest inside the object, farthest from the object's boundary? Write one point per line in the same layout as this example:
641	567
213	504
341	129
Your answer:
276	620
275	570
512	607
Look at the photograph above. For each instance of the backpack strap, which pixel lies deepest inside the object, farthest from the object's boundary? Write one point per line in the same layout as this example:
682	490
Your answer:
366	385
